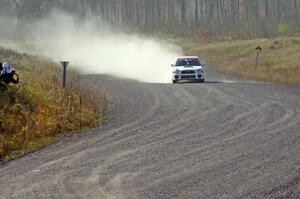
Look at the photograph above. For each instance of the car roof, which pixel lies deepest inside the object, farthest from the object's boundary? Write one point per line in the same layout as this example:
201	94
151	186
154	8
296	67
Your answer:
188	57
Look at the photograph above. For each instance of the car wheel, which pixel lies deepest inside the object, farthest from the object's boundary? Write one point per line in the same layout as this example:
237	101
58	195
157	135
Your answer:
174	81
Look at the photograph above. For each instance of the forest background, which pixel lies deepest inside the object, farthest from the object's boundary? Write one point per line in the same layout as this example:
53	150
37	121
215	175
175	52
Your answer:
210	19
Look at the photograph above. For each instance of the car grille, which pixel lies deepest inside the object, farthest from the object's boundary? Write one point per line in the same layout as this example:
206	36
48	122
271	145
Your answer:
188	72
188	77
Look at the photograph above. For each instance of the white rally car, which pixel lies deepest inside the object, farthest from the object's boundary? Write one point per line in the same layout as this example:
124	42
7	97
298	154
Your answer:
188	68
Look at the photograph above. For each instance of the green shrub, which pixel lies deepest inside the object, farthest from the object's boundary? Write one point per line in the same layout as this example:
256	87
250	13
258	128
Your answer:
283	29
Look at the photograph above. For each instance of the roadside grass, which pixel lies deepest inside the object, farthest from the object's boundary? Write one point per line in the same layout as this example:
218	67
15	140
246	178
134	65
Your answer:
35	111
279	60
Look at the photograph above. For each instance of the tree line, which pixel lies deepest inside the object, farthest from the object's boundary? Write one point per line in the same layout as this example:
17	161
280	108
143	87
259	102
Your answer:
207	18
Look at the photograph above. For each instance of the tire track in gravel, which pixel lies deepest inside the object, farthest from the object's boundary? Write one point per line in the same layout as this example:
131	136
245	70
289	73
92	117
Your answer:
228	138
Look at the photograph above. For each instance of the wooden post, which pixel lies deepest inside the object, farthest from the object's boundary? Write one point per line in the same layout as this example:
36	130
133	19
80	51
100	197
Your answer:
64	75
258	49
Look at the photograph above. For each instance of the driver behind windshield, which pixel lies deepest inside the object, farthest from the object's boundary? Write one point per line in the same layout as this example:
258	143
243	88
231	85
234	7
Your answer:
193	62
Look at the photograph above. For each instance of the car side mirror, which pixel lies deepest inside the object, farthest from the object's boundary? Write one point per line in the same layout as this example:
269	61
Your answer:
172	65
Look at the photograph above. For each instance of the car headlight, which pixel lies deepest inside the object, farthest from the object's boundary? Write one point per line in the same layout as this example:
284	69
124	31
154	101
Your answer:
199	71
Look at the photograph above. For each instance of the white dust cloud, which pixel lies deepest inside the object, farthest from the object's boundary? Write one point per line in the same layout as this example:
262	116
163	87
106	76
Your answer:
99	48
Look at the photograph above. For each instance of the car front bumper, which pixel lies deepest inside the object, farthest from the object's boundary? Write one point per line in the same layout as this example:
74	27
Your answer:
198	76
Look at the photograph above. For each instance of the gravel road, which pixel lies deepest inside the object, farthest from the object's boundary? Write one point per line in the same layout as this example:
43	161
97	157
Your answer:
227	138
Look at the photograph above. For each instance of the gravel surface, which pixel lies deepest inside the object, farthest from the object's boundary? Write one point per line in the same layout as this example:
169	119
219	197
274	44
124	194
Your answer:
227	138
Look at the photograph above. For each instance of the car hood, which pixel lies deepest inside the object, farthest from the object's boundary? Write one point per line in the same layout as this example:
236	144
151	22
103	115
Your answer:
188	67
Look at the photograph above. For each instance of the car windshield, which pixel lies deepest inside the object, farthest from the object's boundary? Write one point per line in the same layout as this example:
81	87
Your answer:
188	62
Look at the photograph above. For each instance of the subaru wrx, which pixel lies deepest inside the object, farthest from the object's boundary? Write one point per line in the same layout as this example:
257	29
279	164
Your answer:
188	68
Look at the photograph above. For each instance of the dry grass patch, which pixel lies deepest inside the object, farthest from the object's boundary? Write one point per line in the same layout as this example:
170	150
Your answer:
279	60
36	110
